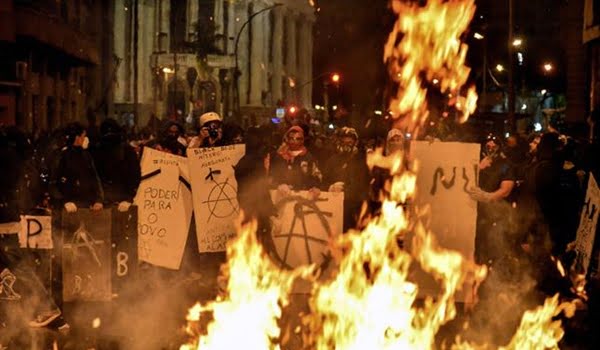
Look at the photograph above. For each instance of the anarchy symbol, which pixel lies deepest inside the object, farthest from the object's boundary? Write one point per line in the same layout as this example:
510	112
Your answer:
222	198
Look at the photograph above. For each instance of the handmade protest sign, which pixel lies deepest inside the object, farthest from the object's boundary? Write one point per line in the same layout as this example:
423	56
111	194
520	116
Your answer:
214	194
87	255
164	209
36	232
584	242
304	227
446	170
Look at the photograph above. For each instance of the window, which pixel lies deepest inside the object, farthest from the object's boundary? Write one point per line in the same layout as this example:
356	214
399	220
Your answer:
177	24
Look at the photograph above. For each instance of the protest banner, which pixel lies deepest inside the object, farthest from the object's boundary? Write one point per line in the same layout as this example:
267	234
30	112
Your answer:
304	227
164	209
86	255
124	248
36	232
584	241
214	194
446	170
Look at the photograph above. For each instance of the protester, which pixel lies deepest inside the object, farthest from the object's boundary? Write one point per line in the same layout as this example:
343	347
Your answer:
293	167
15	263
75	180
496	182
346	171
210	133
170	139
117	165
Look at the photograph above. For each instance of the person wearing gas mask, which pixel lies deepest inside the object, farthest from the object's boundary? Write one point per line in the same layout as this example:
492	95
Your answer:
117	165
292	167
210	133
75	180
496	182
346	171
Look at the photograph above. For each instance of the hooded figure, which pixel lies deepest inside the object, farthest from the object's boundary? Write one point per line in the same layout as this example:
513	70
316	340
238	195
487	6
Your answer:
292	165
117	164
75	179
346	171
169	139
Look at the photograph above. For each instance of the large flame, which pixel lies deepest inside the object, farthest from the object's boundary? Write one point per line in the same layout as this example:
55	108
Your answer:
370	303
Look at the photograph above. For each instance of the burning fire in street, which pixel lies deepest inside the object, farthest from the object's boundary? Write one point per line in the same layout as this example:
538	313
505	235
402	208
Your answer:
370	303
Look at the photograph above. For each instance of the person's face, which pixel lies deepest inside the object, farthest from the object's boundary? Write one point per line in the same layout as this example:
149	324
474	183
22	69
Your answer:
295	140
173	131
534	144
214	130
346	144
395	144
79	140
491	146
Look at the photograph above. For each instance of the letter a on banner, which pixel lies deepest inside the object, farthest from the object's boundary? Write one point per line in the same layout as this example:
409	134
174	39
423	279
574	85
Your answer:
215	194
164	209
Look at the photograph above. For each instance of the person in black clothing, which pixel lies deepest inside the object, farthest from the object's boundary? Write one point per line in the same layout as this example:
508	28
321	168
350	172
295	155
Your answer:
18	281
76	180
496	182
346	171
293	167
253	183
117	166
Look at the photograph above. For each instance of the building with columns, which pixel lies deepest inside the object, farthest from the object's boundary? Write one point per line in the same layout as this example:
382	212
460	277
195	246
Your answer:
183	58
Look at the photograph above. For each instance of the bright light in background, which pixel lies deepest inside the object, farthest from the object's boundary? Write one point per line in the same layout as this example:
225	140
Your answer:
334	107
408	135
378	112
507	135
544	91
548	67
500	68
517	42
478	36
537	127
335	78
523	107
331	126
520	58
435	81
291	82
293	109
317	107
167	70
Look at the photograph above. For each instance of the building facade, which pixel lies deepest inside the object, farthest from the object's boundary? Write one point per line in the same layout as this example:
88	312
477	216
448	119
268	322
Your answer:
55	62
183	59
591	39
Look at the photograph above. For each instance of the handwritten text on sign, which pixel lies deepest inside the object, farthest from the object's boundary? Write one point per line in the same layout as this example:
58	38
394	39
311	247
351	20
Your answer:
36	232
163	222
215	194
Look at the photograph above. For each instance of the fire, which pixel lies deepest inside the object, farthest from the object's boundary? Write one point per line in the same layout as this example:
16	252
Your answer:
425	45
371	302
246	315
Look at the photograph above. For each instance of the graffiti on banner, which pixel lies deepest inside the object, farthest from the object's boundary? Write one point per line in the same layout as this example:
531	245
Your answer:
36	232
304	227
215	194
164	209
87	255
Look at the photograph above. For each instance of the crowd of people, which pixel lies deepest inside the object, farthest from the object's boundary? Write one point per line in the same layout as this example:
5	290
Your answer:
530	192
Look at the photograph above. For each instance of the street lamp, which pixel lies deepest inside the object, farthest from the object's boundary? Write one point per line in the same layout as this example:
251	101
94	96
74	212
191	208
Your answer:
478	36
548	67
517	42
237	72
500	68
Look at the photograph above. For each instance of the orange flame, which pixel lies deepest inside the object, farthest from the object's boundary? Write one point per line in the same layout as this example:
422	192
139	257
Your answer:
425	45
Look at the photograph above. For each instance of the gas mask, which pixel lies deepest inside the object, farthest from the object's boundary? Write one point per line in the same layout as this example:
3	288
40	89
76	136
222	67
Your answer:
347	149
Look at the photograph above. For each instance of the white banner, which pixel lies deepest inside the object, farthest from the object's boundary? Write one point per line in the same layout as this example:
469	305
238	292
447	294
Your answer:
214	194
445	171
164	208
36	232
584	242
304	227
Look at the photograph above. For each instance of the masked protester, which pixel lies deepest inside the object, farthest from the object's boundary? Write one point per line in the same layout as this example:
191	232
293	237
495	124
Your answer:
496	182
117	165
346	171
75	179
210	133
292	166
18	280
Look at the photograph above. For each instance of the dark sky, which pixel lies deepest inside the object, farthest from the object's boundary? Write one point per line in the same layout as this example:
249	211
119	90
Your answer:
349	37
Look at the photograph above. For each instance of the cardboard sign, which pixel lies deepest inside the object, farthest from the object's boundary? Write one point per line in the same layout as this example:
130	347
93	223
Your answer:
584	242
87	255
164	209
124	248
36	232
215	194
445	171
304	227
